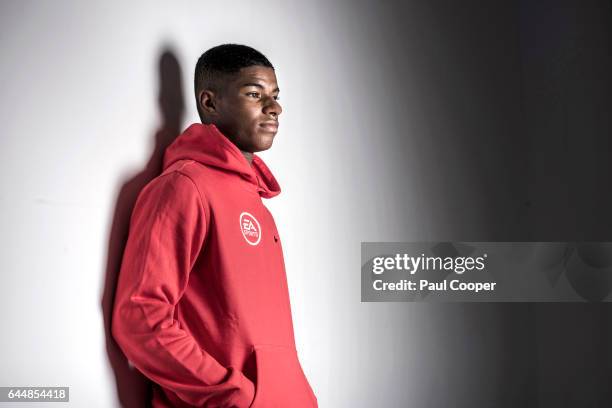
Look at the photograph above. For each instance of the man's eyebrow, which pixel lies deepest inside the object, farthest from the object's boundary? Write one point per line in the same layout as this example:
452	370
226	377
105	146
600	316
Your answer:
258	85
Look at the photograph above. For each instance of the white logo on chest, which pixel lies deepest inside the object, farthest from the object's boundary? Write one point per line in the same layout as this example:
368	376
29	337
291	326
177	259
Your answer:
251	231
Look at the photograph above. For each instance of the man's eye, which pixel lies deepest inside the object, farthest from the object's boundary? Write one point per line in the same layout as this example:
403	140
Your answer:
255	94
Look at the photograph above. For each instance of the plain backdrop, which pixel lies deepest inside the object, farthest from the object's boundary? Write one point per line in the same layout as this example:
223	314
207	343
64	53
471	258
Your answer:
407	120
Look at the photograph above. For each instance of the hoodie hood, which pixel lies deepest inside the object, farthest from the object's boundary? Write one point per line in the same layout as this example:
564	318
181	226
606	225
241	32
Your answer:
206	144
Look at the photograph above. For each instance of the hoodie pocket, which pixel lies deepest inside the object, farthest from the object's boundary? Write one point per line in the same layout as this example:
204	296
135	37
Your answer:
281	382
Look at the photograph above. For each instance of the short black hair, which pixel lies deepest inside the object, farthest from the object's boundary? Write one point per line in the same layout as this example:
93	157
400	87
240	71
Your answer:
218	62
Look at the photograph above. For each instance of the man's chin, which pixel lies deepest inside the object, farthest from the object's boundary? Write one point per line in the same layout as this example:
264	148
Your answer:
265	142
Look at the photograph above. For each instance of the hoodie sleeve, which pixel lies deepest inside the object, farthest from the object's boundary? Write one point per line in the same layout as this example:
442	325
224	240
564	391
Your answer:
167	230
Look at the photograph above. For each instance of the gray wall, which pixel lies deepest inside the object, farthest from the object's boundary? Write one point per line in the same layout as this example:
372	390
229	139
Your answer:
502	111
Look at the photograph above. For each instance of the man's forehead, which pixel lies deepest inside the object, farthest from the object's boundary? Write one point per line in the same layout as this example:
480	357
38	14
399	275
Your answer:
255	74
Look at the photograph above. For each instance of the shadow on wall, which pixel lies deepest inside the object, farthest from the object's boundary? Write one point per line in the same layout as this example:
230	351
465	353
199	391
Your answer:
133	388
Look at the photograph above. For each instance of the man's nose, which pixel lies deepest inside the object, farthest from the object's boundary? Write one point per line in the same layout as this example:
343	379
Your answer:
272	107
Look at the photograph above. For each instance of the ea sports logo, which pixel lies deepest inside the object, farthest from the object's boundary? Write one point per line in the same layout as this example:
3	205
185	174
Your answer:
250	228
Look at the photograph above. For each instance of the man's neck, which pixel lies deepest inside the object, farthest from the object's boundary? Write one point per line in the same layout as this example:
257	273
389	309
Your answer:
248	156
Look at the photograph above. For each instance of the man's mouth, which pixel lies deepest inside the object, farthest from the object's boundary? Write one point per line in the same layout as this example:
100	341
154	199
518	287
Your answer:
271	126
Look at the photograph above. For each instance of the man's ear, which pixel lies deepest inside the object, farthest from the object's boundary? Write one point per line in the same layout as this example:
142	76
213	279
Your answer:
207	102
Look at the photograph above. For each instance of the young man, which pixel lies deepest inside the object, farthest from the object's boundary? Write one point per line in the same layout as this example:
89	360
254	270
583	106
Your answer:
202	305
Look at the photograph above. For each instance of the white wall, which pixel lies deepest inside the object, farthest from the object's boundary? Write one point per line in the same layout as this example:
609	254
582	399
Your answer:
80	83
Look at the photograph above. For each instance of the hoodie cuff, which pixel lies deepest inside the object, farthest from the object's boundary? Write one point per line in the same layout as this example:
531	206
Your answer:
244	396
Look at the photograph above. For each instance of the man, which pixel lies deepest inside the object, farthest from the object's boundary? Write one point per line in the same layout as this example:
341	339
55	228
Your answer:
202	305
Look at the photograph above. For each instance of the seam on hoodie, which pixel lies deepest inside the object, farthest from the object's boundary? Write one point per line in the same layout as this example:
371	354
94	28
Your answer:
194	183
158	215
142	265
200	194
197	189
207	221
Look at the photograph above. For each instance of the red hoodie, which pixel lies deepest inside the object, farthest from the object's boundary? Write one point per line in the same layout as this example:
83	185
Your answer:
202	305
